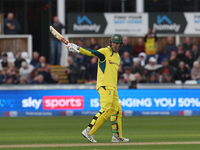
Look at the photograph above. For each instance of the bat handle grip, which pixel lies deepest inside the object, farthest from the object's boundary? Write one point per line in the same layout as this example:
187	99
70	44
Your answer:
64	41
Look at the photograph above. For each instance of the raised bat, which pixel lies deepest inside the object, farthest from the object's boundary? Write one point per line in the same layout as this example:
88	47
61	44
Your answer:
58	35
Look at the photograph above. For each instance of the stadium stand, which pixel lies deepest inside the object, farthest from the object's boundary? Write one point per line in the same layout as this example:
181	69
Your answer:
59	70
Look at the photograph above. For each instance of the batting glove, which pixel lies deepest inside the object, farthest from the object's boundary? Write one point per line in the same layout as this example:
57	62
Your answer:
73	48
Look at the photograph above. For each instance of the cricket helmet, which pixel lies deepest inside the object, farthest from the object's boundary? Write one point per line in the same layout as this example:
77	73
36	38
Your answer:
116	38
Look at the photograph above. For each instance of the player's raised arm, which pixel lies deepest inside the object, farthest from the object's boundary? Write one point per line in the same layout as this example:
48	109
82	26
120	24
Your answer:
75	48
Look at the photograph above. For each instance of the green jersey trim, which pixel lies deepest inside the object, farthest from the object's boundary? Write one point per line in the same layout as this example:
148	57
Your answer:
98	54
102	66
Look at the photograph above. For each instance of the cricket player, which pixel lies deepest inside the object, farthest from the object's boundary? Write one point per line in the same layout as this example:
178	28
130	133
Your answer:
107	77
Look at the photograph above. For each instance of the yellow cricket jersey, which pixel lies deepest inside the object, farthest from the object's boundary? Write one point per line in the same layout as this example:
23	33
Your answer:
108	65
150	46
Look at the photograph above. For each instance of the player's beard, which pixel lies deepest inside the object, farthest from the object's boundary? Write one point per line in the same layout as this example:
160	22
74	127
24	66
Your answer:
116	49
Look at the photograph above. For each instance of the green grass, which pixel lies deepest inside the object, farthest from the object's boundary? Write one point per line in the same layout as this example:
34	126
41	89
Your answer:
138	147
62	130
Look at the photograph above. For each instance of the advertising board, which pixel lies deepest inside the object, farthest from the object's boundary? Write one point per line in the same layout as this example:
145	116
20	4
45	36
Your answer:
133	23
107	23
88	100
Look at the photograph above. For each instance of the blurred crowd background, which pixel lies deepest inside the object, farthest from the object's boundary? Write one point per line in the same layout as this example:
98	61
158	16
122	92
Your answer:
173	63
143	61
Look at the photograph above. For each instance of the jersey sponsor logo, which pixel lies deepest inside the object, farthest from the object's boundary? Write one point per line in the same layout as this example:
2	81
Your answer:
63	102
110	62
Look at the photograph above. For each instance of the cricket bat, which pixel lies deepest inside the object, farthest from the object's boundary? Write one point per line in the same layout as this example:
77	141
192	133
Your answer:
58	35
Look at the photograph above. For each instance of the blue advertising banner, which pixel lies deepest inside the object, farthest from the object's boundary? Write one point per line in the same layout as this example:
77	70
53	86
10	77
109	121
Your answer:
88	100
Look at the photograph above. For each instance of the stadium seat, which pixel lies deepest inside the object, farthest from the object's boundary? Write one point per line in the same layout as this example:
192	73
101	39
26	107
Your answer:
190	82
11	57
26	57
178	82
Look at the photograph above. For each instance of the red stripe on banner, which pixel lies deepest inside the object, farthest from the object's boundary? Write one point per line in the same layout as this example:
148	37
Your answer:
181	113
63	113
7	114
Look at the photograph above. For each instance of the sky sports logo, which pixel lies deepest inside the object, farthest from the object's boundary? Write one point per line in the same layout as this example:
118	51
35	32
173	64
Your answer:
54	102
63	102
